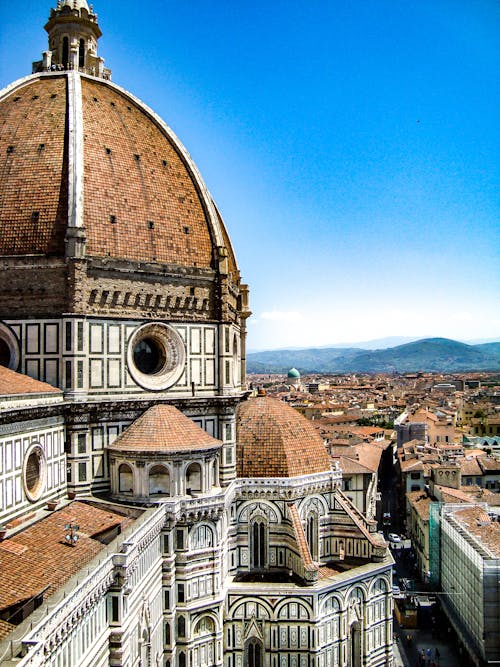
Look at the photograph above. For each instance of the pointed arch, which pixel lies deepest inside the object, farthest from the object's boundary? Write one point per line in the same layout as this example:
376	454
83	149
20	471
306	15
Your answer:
254	653
258	541
312	533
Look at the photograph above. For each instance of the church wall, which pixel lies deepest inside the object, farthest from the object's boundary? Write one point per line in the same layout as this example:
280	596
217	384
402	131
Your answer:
90	357
40	441
291	626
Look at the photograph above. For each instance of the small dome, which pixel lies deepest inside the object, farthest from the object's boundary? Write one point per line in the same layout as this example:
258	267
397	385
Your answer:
293	373
166	429
274	440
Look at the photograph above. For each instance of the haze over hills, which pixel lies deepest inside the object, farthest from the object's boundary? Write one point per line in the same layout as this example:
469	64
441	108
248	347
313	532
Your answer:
429	354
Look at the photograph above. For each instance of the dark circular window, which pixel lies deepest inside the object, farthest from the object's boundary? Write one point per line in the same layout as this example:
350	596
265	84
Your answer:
34	472
9	348
156	356
149	356
4	353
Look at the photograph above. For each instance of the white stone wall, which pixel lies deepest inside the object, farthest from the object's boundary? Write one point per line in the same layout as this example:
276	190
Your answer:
16	442
87	357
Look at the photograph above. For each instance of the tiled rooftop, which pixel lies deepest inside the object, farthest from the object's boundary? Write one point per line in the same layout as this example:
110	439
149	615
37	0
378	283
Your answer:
274	440
140	199
477	522
38	560
13	384
32	124
164	428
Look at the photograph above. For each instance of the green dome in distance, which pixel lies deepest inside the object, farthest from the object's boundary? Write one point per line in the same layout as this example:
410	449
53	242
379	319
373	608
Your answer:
293	373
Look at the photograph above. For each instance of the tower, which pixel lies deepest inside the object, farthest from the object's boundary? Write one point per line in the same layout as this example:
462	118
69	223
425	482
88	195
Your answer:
73	33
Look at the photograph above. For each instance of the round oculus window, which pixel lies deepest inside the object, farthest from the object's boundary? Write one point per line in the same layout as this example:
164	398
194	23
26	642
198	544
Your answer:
34	472
156	356
9	348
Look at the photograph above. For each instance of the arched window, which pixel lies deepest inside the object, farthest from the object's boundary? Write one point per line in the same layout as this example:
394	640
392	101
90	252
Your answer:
125	479
253	653
193	478
181	627
312	534
167	634
258	544
81	53
182	660
205	626
65	52
236	365
202	537
159	481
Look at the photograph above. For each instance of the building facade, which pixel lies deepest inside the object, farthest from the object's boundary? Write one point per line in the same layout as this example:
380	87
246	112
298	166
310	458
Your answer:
470	561
211	526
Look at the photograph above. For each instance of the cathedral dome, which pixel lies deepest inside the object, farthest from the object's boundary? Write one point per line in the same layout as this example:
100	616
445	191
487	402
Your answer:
274	440
104	169
293	373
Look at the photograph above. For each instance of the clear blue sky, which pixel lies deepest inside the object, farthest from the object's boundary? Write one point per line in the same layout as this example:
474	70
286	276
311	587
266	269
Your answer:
352	147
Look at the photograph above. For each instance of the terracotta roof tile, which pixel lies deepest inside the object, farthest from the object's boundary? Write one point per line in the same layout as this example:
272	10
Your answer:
274	440
300	538
164	428
477	522
13	384
38	559
5	629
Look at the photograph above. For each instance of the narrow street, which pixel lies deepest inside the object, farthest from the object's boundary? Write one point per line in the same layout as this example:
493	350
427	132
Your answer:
433	637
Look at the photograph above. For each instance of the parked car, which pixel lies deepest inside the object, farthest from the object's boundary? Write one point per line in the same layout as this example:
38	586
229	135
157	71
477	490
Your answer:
392	537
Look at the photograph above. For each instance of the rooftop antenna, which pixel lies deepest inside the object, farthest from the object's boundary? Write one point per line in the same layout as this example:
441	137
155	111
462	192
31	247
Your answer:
71	537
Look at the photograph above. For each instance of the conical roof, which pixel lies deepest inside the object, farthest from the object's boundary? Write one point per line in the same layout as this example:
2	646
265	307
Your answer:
164	428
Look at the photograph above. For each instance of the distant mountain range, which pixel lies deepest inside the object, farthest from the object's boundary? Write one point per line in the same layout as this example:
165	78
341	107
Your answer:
430	354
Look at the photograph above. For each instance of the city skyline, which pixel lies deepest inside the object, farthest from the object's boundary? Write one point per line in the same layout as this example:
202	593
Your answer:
352	152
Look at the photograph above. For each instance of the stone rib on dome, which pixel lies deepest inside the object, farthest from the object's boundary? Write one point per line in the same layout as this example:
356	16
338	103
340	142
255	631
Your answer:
274	440
129	184
164	428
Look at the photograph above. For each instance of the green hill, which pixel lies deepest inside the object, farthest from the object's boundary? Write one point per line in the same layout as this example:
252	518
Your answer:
431	354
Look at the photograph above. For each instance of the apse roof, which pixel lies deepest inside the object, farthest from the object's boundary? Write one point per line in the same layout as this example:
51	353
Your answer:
164	428
274	440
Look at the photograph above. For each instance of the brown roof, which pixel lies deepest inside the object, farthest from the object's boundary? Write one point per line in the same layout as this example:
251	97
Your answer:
38	559
421	502
5	629
300	538
141	199
351	466
470	467
164	428
274	440
13	384
43	188
477	522
490	464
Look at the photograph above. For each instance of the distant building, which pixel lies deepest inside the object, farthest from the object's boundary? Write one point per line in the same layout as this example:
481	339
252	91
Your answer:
470	571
